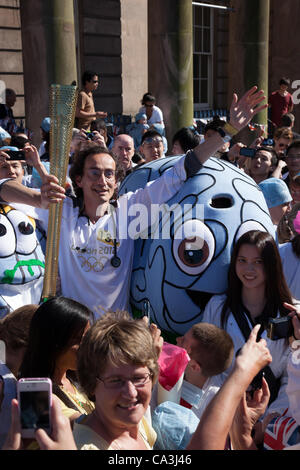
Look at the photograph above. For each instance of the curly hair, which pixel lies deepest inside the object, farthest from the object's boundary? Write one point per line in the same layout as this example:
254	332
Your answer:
77	167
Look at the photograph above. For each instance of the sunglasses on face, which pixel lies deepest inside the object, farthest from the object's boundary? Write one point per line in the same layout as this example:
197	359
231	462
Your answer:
96	173
152	142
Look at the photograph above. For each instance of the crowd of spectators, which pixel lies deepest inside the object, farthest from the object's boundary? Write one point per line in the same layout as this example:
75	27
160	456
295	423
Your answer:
104	364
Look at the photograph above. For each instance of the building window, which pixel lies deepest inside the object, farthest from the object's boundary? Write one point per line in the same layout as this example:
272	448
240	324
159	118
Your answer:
202	56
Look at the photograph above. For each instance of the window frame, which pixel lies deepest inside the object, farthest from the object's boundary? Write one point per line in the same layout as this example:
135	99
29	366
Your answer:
203	105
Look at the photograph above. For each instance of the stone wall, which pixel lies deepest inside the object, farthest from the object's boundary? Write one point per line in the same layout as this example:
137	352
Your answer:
11	64
284	50
100	43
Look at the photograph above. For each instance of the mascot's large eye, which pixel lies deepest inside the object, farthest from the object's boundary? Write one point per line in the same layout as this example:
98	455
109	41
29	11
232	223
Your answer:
247	227
3	230
193	247
7	238
193	251
25	229
25	233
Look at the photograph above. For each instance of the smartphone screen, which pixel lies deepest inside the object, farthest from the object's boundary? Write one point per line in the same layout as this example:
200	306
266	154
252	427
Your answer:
34	407
16	155
247	152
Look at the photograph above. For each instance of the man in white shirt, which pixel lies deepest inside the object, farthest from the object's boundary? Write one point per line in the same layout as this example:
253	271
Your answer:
97	235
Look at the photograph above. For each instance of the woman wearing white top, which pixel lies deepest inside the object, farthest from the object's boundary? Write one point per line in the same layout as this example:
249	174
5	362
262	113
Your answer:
154	113
257	290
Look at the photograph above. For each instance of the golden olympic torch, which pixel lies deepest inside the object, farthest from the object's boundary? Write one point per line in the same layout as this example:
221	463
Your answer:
63	100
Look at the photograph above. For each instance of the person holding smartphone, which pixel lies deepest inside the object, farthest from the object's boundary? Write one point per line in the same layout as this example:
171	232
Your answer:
257	291
60	437
288	423
213	429
10	168
55	334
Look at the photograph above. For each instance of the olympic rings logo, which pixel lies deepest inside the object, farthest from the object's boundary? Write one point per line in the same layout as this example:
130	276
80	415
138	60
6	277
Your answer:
92	264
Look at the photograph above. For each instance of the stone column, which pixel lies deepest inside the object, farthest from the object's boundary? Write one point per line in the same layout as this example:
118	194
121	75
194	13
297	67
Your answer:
256	40
134	33
170	61
49	54
249	49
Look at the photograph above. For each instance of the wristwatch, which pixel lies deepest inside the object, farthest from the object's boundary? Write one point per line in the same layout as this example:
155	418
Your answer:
227	132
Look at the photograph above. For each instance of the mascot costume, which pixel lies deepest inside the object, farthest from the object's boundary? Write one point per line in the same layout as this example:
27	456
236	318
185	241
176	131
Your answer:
22	262
176	275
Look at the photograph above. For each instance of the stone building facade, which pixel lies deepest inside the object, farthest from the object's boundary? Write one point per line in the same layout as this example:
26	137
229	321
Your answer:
119	39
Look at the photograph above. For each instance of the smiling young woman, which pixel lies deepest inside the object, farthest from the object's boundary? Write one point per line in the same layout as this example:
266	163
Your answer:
257	291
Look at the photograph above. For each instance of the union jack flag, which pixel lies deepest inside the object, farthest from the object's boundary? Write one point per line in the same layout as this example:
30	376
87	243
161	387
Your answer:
281	432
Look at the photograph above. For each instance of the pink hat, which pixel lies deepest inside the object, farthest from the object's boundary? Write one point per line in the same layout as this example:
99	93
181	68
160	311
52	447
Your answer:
297	222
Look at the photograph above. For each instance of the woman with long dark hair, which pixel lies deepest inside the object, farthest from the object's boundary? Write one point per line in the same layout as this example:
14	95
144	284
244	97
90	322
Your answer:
257	291
56	331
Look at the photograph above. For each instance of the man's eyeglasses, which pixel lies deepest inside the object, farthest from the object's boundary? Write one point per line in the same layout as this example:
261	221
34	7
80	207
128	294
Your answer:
95	173
116	383
95	81
152	143
149	105
151	140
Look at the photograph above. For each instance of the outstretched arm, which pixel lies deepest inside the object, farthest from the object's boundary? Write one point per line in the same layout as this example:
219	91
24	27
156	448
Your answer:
241	113
51	192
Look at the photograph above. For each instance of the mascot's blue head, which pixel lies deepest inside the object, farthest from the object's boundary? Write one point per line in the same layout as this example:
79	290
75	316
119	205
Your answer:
186	259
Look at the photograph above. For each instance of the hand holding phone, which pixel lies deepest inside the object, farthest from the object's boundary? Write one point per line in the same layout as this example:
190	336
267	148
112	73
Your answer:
247	152
61	437
279	328
89	135
146	311
35	399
